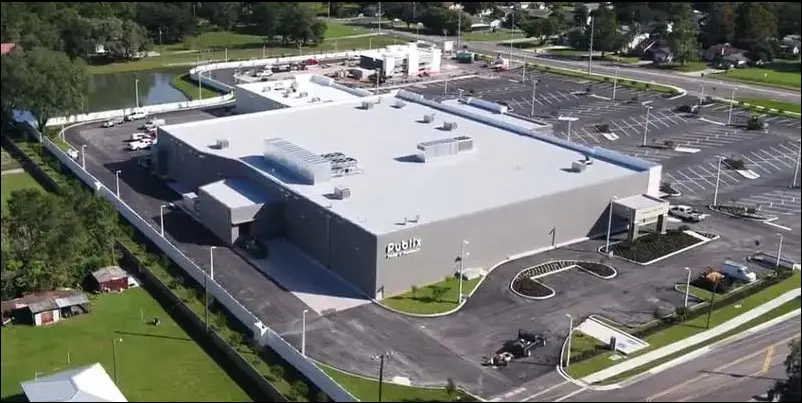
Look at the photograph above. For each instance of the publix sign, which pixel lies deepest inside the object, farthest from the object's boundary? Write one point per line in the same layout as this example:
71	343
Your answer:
405	247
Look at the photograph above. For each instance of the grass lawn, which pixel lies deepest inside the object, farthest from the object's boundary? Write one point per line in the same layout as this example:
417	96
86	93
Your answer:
773	104
501	34
6	161
620	59
599	78
189	58
781	73
189	87
680	331
154	363
13	182
790	306
687	68
423	302
568	52
367	390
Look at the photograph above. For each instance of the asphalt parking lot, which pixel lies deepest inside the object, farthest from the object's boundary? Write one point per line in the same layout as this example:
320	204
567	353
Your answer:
430	350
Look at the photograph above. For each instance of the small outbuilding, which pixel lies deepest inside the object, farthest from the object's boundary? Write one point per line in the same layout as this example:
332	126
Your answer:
86	384
45	308
112	278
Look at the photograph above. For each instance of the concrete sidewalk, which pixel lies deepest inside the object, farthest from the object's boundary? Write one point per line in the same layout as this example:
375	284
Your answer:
691	341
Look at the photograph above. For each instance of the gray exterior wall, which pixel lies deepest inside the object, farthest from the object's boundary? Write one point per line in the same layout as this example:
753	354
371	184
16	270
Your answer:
496	234
349	251
248	102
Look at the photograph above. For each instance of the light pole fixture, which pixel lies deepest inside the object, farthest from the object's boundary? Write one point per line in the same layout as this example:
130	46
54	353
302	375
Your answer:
206	286
568	119
687	286
136	92
83	157
303	332
796	165
701	95
382	358
161	216
117	178
779	251
462	255
718	179
211	261
615	83
570	335
114	342
646	125
732	102
609	225
534	93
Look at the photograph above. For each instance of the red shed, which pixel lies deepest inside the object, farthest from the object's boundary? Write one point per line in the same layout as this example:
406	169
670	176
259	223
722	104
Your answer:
112	278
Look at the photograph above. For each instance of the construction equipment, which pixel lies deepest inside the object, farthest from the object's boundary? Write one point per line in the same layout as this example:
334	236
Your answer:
519	348
756	123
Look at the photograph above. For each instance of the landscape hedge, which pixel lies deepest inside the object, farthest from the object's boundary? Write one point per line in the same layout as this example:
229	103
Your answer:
530	288
598	268
654	245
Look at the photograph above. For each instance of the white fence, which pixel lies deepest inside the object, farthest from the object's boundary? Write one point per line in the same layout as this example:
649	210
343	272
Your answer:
261	333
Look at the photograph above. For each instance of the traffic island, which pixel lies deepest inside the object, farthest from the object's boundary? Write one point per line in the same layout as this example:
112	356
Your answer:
654	247
739	211
432	300
525	284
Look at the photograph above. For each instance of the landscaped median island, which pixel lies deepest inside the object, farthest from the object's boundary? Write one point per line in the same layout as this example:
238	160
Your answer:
367	390
606	79
779	106
526	285
652	246
432	299
588	356
741	211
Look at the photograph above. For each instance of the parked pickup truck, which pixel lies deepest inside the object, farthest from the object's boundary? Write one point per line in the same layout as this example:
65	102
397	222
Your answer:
686	213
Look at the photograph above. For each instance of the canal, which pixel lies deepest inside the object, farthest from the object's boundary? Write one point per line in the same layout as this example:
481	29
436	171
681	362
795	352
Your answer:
117	90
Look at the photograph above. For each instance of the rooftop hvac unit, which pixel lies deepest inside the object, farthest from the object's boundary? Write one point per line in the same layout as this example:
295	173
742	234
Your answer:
334	155
286	94
315	99
449	126
343	164
581	165
342	193
221	144
428	118
399	104
303	94
266	89
367	105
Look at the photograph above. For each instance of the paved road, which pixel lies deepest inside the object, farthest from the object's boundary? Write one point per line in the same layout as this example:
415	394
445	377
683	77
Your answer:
690	84
736	371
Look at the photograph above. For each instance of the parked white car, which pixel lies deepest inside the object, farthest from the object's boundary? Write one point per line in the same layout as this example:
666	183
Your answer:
112	122
153	123
138	145
136	116
686	213
138	136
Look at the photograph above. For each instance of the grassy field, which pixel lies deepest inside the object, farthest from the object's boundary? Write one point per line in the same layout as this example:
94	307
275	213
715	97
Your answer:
787	307
678	332
620	59
687	68
501	34
6	161
423	301
13	182
781	73
367	390
154	363
189	88
189	58
773	104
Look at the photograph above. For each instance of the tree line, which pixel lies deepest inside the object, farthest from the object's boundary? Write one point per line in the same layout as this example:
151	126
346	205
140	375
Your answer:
54	240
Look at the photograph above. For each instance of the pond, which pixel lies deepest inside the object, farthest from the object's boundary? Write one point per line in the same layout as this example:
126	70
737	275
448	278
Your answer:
117	90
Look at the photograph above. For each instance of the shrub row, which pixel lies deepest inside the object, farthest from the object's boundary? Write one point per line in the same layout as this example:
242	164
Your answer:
598	268
654	245
530	288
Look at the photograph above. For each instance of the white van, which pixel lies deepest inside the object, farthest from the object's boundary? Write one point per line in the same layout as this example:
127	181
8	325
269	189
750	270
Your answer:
138	136
154	123
738	271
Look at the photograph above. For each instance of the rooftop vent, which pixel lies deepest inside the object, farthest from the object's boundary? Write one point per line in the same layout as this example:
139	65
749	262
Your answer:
444	147
303	94
342	193
399	104
581	165
266	88
315	99
221	144
428	118
449	126
367	105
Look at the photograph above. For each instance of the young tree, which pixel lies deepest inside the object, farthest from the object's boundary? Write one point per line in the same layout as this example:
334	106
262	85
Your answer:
755	25
789	389
683	35
581	15
45	82
451	389
606	37
414	290
720	24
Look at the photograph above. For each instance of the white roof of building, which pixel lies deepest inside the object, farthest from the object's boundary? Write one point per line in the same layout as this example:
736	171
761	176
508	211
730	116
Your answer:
308	86
235	192
505	167
495	115
86	384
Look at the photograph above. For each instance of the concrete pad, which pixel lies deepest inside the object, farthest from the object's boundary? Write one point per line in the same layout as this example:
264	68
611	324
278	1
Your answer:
748	174
602	332
314	284
688	150
610	136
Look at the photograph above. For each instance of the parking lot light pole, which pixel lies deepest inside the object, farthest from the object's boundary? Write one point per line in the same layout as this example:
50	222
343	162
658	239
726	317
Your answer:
718	179
687	286
512	32
117	179
136	92
570	335
609	226
161	216
83	157
569	119
701	95
615	83
114	342
303	332
590	48
798	161
534	92
461	268
381	358
779	251
732	102
206	286
646	126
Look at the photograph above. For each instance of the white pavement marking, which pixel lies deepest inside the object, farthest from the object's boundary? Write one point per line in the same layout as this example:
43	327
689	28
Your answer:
701	176
544	391
777	225
570	395
690	180
679	182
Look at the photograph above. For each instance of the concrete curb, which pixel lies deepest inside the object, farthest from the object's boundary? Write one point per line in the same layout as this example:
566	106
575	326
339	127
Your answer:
713	208
685	249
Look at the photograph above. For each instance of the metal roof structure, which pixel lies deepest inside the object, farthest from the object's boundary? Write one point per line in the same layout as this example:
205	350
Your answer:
235	192
109	273
85	384
508	163
301	90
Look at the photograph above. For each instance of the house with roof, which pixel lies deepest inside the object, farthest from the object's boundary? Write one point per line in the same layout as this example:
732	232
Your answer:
718	52
45	308
112	278
85	384
790	45
7	47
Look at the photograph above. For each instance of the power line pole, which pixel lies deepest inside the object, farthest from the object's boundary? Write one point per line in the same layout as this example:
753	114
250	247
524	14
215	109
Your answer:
381	357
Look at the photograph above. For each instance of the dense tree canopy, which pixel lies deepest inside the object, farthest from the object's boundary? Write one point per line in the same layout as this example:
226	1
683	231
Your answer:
684	33
789	389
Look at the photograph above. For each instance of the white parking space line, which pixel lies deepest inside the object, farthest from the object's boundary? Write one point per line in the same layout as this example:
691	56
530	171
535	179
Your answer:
690	169
620	129
589	134
754	164
779	157
712	175
788	149
690	180
679	182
